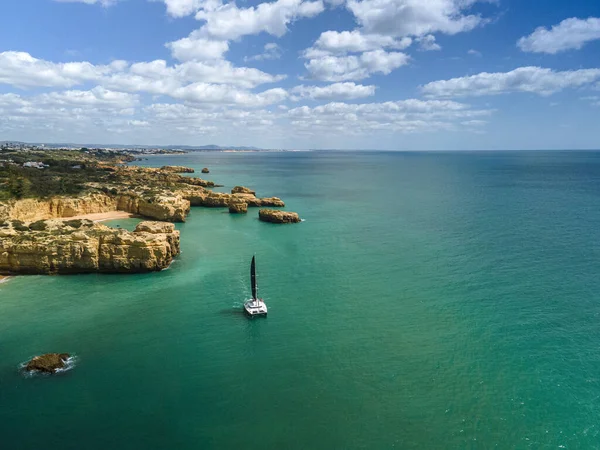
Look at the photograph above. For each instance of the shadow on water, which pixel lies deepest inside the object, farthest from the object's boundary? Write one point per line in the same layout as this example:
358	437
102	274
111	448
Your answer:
233	312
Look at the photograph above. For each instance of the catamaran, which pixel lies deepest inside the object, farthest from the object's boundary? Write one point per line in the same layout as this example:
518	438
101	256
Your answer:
255	306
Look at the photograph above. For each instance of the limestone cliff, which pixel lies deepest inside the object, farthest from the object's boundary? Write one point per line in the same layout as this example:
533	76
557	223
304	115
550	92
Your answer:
170	207
81	246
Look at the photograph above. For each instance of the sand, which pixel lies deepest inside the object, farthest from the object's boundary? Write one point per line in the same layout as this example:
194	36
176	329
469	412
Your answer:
100	217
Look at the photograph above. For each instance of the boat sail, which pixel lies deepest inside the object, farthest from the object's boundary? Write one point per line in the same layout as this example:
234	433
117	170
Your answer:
255	306
253	277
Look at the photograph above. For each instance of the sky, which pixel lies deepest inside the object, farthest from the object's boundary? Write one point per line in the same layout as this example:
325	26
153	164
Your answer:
303	74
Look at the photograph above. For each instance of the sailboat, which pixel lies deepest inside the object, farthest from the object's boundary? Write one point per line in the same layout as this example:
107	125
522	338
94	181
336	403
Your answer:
255	306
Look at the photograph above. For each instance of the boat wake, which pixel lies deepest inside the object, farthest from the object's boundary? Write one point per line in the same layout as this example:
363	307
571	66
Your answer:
70	364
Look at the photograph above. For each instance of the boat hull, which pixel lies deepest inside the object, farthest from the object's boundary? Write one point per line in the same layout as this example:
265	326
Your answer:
255	308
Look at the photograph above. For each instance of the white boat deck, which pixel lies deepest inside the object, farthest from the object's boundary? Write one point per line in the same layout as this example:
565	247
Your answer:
255	307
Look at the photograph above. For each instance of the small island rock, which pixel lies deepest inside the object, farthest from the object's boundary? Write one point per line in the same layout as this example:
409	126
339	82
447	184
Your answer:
242	190
48	363
205	170
274	216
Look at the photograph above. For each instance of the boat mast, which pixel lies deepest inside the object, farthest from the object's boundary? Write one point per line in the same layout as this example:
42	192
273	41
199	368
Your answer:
253	278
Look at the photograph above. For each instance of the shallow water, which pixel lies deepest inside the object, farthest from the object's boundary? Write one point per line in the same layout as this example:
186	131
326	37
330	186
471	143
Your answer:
429	300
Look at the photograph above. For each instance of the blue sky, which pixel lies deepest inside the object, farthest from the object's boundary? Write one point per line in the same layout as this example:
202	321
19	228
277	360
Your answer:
296	74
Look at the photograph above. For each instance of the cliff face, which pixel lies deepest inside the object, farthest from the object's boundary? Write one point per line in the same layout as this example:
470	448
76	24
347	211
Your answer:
172	208
81	246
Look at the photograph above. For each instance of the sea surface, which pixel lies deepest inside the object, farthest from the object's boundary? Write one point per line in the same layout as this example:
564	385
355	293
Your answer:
428	301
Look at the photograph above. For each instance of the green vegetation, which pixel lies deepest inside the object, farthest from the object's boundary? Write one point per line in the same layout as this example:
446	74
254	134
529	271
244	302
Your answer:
67	172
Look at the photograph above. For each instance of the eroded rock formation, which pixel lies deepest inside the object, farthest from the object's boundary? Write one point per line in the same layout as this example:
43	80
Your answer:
82	246
238	206
242	190
275	216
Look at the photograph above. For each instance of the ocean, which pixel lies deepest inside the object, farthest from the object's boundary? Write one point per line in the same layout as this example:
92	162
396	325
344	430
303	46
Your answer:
444	300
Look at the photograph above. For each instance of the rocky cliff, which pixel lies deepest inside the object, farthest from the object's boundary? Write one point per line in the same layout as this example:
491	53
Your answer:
81	246
168	206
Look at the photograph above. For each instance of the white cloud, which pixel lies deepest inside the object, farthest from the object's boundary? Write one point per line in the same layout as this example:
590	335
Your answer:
342	42
97	97
196	47
182	8
414	17
570	34
340	91
427	43
193	79
23	70
405	116
524	79
341	68
270	51
474	52
222	94
229	22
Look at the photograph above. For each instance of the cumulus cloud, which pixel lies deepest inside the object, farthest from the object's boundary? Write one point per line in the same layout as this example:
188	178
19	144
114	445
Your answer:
339	91
23	70
341	68
229	22
196	47
570	34
414	17
221	94
188	80
182	8
404	116
342	42
524	79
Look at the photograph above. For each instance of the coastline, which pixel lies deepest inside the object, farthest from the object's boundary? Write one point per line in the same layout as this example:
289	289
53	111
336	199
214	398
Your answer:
4	278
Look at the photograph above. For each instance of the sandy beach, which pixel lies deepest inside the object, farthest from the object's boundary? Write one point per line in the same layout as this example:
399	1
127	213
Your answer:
100	217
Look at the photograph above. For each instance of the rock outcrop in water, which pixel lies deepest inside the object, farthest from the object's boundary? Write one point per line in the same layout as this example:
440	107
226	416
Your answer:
205	170
238	206
242	190
177	169
82	246
275	216
48	363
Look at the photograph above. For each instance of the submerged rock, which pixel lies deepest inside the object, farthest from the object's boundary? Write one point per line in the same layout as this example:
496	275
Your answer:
48	363
205	170
275	216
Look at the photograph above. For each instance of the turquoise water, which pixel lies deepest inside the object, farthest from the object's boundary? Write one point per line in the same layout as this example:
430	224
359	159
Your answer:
429	300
